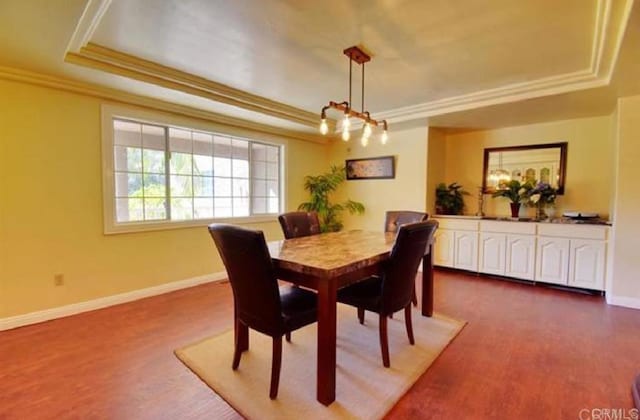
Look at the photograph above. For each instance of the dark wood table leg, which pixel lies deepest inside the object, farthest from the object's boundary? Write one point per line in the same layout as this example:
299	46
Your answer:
326	386
241	333
427	283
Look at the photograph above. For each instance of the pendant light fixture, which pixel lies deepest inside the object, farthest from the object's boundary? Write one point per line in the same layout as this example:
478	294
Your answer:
358	56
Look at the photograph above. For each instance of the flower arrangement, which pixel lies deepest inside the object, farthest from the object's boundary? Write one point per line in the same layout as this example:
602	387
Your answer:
542	195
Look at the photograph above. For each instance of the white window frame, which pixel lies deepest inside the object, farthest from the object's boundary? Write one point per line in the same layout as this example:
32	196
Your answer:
111	112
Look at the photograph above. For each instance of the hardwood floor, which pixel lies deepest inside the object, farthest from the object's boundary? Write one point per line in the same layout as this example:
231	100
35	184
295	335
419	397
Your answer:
527	352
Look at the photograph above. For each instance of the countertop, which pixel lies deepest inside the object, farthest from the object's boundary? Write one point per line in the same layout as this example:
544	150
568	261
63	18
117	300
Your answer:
560	220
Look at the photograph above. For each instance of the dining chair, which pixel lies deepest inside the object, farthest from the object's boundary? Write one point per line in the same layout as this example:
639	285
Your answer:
392	290
396	218
299	223
258	301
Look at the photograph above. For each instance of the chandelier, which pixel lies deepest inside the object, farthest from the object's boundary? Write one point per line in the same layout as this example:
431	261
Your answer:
360	57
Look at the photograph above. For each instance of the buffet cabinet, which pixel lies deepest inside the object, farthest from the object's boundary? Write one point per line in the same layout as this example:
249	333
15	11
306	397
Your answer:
566	254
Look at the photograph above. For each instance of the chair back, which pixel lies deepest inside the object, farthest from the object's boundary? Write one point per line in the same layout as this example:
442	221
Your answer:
299	223
395	219
400	271
246	257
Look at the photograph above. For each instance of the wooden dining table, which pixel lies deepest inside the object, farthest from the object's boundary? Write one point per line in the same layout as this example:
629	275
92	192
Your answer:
327	262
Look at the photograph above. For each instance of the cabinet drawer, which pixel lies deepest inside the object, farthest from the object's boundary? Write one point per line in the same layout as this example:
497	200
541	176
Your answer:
573	231
521	228
458	224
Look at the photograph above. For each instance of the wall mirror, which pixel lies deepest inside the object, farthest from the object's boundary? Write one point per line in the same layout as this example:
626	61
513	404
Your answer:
537	162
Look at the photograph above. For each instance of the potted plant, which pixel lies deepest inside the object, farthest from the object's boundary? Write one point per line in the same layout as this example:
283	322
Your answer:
516	193
450	198
540	196
320	187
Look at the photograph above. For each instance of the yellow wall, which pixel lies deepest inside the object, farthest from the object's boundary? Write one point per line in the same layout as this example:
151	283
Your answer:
625	280
436	171
51	209
406	192
589	162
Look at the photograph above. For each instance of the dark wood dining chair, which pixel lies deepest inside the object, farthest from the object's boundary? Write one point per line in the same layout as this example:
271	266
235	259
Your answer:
392	290
299	223
396	218
258	301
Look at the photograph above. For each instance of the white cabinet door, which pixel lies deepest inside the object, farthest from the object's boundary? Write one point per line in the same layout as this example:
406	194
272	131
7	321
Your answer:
492	253
552	262
465	253
443	248
521	256
586	264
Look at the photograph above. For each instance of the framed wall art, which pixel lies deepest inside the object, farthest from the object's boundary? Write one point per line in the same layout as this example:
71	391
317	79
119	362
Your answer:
382	167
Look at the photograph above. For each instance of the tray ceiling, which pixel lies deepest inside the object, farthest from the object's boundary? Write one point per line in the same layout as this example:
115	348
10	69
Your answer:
279	62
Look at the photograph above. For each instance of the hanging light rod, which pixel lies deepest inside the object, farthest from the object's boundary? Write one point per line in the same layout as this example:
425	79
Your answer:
355	54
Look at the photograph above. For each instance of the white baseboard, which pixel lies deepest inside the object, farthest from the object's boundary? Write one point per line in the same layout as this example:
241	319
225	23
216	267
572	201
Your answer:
627	302
90	305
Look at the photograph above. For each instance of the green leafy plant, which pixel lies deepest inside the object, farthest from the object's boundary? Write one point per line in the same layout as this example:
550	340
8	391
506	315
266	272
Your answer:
450	198
514	191
320	187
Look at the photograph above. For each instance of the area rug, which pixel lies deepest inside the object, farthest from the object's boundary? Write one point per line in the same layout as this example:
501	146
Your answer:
364	388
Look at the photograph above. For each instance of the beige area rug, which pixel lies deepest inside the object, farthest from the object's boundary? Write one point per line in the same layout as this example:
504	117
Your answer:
364	388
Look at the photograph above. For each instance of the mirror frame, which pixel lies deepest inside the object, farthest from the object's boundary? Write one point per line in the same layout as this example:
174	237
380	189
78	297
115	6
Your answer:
562	167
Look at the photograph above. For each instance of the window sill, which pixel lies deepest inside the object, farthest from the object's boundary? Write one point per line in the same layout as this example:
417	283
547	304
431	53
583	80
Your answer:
133	227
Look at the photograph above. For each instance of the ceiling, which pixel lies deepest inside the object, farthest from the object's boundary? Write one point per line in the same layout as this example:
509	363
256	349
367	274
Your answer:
478	63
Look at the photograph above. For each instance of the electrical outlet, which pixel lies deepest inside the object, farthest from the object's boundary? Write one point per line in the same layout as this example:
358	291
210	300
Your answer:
58	279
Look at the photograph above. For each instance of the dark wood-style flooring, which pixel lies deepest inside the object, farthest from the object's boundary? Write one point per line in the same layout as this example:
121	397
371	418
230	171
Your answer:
527	352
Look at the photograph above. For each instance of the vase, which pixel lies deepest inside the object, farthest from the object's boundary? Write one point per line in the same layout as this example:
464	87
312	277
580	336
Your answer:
540	213
515	209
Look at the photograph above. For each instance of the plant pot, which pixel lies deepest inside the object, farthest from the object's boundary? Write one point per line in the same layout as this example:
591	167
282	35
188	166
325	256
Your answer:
515	209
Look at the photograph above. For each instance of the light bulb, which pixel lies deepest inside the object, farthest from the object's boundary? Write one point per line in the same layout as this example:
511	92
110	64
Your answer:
345	134
367	130
324	128
364	140
385	137
346	123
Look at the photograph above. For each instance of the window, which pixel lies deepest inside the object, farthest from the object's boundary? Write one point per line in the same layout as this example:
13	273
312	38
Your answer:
173	174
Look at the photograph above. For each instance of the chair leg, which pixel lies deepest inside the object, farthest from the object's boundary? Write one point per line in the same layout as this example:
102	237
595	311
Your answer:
361	315
414	298
288	336
407	321
384	340
237	352
276	361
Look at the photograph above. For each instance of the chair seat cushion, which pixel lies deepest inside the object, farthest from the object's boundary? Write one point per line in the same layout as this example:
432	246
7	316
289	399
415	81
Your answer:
299	307
365	294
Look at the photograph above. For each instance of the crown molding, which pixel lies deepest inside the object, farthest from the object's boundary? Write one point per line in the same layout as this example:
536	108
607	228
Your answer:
81	51
509	93
91	16
606	43
89	89
119	63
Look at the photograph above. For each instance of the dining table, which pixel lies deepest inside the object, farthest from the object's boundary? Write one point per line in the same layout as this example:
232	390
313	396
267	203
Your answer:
327	262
